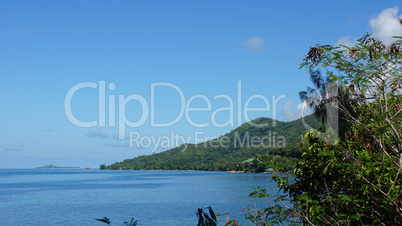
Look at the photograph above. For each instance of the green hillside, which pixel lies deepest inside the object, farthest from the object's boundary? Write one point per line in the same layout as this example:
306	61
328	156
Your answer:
275	146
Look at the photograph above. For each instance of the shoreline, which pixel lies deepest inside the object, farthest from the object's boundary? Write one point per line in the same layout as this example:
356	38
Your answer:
230	171
271	172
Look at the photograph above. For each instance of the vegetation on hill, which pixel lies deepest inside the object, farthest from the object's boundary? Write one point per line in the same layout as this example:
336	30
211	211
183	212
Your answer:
276	146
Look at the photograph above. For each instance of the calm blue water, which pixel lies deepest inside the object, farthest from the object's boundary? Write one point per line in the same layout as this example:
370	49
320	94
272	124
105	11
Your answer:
77	197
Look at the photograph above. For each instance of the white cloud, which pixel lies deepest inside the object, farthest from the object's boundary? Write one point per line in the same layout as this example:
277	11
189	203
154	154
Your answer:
301	110
386	25
254	43
346	41
383	27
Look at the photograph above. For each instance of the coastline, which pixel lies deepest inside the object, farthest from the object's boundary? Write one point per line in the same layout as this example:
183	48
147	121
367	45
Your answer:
270	172
230	171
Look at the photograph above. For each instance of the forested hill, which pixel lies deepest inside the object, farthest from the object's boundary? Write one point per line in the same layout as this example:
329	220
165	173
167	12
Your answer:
275	146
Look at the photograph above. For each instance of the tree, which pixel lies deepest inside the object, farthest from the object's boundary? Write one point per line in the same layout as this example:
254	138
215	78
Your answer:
358	180
355	180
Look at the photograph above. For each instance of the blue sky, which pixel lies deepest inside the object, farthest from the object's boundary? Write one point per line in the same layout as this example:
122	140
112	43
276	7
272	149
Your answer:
201	47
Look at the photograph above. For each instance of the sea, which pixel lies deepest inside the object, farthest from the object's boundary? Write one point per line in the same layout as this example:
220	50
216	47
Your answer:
79	197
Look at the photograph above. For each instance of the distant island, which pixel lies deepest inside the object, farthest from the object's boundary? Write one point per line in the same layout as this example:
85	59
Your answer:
57	167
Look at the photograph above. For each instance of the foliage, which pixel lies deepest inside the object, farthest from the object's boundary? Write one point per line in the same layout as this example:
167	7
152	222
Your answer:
231	155
277	211
345	184
131	223
206	218
107	221
357	180
104	220
211	219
